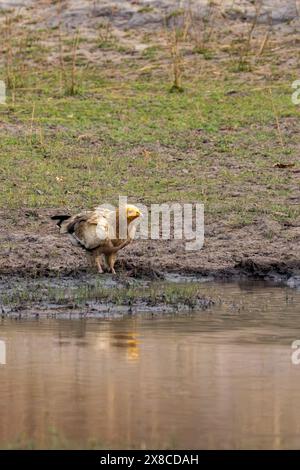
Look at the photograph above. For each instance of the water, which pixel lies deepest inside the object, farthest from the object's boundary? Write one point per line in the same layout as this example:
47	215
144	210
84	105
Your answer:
222	378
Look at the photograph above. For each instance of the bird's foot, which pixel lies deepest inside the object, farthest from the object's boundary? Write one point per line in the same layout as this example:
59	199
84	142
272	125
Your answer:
100	270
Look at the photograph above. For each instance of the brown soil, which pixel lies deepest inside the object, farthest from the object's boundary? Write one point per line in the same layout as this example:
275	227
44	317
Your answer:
31	246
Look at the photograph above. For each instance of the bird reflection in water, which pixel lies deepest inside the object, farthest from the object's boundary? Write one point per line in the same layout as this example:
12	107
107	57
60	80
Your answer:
129	341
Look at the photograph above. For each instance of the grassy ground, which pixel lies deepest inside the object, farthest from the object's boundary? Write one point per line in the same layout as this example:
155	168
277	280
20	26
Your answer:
126	134
139	140
119	130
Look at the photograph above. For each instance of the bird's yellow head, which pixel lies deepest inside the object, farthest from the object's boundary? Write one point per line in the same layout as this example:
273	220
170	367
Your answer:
132	212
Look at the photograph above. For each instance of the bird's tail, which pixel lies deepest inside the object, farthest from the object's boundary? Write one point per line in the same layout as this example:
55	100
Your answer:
60	218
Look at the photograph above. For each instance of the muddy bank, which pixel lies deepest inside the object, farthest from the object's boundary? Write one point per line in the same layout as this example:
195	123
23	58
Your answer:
30	246
43	275
100	309
106	296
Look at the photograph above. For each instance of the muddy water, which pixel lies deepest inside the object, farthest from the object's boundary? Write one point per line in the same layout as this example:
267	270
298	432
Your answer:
221	378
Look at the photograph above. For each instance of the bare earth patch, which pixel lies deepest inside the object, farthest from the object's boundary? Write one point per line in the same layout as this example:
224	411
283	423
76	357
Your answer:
31	246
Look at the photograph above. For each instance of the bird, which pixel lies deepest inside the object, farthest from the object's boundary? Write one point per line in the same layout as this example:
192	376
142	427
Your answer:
98	232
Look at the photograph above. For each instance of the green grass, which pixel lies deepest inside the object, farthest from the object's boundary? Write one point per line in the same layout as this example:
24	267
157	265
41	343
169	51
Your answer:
153	294
133	137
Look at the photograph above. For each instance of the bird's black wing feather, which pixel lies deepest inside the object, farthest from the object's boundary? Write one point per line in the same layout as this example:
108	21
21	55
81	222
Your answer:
60	218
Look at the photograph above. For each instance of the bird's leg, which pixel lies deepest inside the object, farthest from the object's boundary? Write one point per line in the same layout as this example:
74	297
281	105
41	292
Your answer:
115	249
91	259
106	257
111	259
98	264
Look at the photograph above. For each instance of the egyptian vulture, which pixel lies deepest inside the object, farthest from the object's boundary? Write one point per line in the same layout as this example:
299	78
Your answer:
98	232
